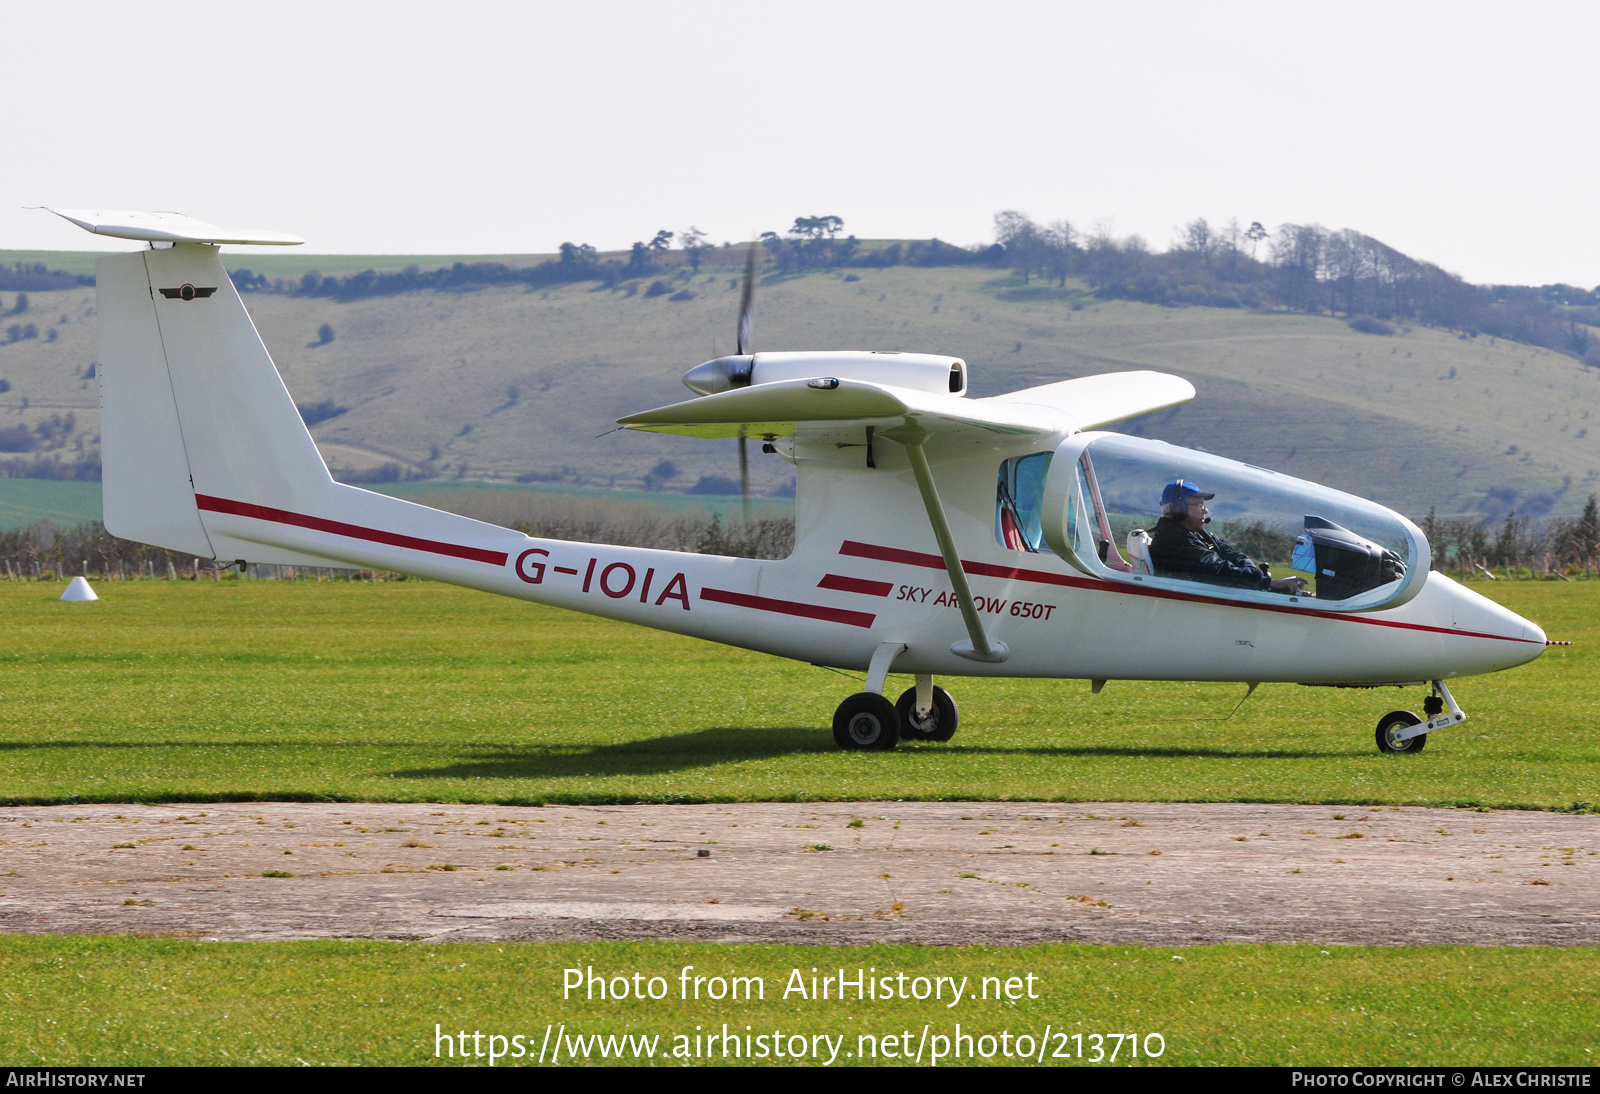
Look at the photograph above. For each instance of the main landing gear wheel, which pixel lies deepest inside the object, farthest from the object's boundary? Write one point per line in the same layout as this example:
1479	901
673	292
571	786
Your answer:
865	722
1391	725
939	724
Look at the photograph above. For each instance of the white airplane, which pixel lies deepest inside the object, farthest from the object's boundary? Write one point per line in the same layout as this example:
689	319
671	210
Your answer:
935	534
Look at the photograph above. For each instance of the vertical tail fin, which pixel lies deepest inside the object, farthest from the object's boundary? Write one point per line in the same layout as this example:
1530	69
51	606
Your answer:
148	493
203	449
192	408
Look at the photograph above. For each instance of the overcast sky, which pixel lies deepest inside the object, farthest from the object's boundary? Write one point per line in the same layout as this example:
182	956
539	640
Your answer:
1461	133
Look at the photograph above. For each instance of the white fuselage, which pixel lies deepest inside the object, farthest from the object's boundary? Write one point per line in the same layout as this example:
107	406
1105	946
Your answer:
866	571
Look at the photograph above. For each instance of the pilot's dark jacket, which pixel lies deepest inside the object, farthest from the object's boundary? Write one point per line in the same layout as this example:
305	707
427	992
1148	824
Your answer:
1181	552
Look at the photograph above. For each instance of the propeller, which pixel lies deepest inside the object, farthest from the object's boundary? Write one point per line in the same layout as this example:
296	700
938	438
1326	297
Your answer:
742	340
727	373
747	300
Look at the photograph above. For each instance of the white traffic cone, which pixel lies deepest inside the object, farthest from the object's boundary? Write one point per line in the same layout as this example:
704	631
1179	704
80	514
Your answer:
79	590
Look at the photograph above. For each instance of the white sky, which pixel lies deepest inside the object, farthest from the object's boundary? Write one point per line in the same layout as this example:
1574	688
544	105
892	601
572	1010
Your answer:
1461	133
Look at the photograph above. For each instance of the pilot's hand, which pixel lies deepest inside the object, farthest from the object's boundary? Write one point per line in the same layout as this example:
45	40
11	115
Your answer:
1291	585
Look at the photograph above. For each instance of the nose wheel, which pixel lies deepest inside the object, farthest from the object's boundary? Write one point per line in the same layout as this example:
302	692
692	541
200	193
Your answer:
1398	730
1390	728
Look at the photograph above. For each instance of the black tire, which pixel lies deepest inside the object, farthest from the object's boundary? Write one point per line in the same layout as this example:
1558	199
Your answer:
866	722
1394	721
940	724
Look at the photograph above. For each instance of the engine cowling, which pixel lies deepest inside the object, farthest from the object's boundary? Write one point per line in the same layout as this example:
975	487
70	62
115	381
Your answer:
918	371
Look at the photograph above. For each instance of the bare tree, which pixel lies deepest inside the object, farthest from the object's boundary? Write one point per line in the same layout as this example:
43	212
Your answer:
1010	225
1198	240
1230	246
1059	242
1297	251
1023	241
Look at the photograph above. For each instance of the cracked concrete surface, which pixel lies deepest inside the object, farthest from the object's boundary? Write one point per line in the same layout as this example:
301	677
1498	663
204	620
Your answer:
935	872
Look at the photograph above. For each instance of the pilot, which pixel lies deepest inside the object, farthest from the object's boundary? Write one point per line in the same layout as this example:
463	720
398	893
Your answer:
1182	547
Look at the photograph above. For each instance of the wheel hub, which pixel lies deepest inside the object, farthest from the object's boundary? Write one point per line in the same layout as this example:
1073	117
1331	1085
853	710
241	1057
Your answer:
865	728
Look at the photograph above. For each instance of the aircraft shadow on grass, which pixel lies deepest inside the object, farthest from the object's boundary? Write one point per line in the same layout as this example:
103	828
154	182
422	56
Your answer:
677	752
722	745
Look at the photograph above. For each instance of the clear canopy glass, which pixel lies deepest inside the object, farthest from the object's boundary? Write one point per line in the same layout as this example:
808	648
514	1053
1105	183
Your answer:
1227	529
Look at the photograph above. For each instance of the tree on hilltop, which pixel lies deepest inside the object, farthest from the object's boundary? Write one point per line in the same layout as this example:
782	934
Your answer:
1199	240
1254	235
816	227
694	246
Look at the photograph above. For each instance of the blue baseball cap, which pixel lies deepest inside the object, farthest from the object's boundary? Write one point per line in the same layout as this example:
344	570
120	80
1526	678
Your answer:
1182	490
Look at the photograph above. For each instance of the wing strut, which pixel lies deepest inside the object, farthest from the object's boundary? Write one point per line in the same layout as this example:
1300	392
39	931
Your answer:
978	646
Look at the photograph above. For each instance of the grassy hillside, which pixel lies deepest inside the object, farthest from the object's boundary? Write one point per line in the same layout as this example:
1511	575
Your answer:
64	504
502	382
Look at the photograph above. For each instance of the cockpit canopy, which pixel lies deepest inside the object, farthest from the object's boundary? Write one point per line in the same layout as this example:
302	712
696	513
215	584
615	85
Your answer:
1096	502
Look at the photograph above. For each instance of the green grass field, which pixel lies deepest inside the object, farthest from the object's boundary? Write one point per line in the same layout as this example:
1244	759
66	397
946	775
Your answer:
119	1001
418	691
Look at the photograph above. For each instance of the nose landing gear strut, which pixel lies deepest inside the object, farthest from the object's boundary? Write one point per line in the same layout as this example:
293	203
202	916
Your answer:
1402	731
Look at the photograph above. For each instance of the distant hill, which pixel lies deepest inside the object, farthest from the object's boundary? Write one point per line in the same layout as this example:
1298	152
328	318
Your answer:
507	382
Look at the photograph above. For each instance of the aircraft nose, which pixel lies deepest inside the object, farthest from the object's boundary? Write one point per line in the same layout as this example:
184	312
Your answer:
1532	631
1477	614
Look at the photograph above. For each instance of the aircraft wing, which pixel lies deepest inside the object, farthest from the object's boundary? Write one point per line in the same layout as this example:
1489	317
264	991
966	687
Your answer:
1095	401
775	409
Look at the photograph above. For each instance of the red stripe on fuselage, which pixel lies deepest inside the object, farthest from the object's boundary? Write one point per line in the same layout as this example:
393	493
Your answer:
855	585
788	607
1044	577
352	531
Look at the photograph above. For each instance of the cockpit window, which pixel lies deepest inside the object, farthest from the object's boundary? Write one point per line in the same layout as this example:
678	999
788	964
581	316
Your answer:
1018	498
1146	511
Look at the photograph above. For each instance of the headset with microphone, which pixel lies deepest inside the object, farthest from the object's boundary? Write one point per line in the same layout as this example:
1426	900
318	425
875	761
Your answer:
1175	498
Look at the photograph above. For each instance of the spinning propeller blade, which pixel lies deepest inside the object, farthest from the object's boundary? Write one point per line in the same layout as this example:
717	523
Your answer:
746	301
742	338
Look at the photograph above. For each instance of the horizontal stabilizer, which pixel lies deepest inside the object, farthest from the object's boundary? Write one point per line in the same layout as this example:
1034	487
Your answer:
1093	402
168	228
773	410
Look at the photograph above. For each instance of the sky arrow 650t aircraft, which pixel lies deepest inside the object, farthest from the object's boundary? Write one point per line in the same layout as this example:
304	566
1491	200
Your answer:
935	534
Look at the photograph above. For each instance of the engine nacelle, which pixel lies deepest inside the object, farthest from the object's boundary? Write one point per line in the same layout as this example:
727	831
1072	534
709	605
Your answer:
918	371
